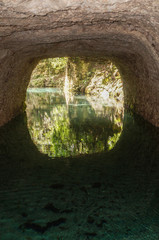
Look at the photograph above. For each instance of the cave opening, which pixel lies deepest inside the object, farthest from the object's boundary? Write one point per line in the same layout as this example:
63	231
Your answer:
75	105
108	195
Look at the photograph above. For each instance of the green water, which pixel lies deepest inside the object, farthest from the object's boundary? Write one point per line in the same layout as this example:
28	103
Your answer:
103	195
78	127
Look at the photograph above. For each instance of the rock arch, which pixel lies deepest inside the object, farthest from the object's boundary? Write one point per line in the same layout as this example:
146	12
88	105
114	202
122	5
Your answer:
122	30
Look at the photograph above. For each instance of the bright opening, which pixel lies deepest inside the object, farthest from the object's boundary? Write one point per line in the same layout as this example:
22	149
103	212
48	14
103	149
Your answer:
75	106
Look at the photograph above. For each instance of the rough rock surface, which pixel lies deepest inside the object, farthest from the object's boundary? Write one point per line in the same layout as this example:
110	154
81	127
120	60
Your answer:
125	31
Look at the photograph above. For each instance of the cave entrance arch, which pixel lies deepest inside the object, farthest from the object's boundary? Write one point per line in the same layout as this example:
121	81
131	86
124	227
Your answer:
75	106
112	29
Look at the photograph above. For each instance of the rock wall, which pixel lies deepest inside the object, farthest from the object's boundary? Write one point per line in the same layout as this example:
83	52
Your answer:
124	31
94	76
80	71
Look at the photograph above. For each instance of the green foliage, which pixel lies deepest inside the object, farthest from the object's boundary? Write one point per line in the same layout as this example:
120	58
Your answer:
51	66
60	130
51	72
113	140
80	71
47	70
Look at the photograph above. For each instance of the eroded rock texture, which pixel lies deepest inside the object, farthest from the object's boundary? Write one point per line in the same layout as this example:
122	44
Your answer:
125	31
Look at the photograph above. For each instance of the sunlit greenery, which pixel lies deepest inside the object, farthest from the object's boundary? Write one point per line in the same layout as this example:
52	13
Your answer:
81	72
113	140
61	130
48	73
64	125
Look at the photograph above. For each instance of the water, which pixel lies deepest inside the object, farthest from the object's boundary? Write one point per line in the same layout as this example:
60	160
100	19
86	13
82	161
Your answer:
105	195
63	126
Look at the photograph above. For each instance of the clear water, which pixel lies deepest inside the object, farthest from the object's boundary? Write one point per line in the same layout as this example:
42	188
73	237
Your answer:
107	195
62	127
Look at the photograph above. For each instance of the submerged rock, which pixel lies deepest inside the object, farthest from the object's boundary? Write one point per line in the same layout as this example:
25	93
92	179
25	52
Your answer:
42	229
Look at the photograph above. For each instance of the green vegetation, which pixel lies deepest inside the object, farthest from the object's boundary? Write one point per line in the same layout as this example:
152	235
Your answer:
82	126
85	75
82	71
49	73
61	131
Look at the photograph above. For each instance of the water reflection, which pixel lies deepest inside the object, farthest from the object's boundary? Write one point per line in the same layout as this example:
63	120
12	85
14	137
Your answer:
110	195
67	127
113	195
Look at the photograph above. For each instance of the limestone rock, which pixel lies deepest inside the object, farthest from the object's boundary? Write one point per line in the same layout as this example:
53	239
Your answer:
124	31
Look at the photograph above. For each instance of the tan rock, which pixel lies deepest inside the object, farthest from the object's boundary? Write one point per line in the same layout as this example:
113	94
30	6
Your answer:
125	31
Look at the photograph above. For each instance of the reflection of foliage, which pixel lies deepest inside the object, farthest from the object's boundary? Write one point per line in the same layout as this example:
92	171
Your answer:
59	130
113	140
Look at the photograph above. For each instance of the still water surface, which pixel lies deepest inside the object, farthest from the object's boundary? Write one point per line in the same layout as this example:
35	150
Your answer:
63	126
110	193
